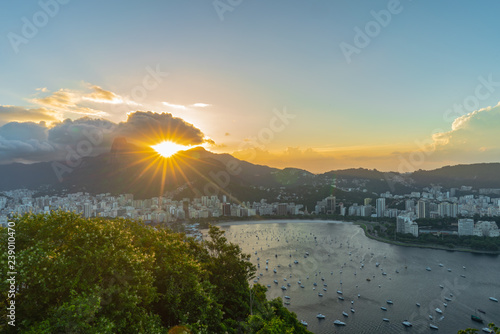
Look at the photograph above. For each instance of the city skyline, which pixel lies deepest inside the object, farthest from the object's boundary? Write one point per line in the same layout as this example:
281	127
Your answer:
393	85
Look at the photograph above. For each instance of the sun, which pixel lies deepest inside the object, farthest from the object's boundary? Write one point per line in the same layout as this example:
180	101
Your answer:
167	148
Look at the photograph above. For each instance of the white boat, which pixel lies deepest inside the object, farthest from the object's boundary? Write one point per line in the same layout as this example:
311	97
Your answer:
296	262
275	270
283	287
433	326
449	270
339	292
276	281
487	330
303	323
383	308
441	265
377	264
385	319
320	316
359	295
320	294
418	304
341	298
438	310
445	305
441	286
428	268
447	299
339	323
345	314
430	317
494	299
287	297
352	310
406	323
389	302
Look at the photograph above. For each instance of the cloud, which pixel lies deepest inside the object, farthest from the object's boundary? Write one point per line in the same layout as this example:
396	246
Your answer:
68	132
176	106
201	105
473	137
20	142
90	102
151	127
15	113
101	95
34	142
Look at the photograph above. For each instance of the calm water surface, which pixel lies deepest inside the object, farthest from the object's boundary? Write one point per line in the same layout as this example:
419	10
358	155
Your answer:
343	258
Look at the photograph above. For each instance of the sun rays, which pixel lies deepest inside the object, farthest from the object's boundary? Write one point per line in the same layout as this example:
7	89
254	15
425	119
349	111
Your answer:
168	148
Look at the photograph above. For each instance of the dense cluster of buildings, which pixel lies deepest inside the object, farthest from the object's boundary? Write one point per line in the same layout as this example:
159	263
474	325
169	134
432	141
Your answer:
431	203
156	209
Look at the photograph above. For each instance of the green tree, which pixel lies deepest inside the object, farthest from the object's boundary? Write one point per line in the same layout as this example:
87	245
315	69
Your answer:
229	270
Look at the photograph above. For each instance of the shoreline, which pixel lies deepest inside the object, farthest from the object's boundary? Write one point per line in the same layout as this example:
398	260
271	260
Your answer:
363	226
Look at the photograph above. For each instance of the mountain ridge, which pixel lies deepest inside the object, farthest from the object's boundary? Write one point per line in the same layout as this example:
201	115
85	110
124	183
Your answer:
128	168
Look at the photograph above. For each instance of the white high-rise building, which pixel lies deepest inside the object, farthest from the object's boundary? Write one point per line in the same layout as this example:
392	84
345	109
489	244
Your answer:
404	224
465	227
380	207
422	209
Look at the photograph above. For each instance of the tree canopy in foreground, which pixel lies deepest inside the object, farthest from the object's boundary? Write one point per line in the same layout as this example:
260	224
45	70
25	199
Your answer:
77	275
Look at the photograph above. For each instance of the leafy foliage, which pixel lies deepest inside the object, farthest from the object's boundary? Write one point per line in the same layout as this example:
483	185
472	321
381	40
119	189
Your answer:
119	276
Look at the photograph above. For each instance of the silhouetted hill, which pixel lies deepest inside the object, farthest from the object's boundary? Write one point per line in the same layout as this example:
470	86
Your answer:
128	168
483	175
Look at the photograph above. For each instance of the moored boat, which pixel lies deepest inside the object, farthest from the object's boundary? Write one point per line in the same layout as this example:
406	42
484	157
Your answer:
406	323
476	318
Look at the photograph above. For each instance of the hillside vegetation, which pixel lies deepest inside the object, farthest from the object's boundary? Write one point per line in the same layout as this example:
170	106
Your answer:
78	275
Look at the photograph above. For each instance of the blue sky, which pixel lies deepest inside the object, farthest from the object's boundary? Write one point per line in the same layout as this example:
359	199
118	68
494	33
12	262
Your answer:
266	56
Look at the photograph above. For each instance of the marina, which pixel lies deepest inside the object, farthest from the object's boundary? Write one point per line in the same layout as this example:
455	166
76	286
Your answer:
336	251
